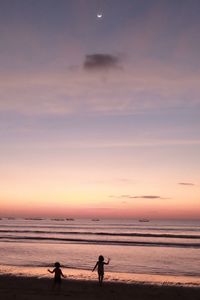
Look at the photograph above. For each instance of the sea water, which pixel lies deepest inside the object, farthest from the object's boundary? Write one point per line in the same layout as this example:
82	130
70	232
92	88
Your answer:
140	250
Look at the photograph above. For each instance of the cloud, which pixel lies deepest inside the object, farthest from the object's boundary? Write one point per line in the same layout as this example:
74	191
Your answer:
138	197
186	183
100	62
147	197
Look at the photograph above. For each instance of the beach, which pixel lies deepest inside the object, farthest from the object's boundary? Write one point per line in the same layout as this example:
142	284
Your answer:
30	288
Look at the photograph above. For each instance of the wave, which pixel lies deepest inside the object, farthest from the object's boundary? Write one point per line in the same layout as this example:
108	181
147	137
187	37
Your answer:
133	234
102	242
109	227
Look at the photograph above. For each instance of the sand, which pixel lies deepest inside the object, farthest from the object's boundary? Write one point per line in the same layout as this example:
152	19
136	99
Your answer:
29	288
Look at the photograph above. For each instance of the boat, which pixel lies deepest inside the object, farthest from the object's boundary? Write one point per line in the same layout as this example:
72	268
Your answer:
143	220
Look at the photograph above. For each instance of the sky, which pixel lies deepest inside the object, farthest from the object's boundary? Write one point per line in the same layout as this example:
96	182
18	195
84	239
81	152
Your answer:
100	116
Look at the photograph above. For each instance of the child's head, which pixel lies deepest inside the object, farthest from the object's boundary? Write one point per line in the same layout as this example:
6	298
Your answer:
101	258
57	264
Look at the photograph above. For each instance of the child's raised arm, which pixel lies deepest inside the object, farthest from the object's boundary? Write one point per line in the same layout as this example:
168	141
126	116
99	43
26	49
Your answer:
107	263
50	271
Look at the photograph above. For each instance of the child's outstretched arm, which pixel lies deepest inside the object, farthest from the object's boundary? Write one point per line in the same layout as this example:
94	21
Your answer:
95	266
50	271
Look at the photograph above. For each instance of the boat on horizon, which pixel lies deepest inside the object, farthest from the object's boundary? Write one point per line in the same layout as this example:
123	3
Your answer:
144	220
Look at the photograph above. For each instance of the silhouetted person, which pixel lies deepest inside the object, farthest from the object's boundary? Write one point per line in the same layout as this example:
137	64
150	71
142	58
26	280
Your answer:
57	275
100	268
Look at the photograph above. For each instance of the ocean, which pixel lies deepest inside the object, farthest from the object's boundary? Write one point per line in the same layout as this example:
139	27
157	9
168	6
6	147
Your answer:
140	250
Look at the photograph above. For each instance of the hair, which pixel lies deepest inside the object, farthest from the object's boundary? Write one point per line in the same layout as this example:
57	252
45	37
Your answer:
57	264
101	258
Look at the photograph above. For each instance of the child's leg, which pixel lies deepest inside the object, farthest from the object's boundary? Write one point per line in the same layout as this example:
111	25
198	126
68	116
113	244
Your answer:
58	287
53	286
101	279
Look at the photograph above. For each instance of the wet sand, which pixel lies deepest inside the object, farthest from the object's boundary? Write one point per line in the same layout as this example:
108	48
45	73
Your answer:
30	288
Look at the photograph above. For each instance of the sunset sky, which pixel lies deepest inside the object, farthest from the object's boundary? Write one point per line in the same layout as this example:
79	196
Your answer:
100	116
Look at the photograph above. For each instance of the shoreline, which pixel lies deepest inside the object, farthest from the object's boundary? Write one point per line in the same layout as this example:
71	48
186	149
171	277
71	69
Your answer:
21	287
110	277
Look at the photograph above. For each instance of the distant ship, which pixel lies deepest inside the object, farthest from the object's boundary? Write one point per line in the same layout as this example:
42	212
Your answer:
143	220
33	219
95	220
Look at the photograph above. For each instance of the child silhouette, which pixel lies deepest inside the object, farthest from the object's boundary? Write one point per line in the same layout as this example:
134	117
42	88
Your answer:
57	274
100	268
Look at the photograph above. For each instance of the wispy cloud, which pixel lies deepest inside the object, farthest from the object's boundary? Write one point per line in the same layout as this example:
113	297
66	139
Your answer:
83	92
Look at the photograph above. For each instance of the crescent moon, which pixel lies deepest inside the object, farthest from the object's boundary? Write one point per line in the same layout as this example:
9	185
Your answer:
99	16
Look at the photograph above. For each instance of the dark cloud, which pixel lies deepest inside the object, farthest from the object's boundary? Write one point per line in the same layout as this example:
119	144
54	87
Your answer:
100	62
146	197
186	183
138	197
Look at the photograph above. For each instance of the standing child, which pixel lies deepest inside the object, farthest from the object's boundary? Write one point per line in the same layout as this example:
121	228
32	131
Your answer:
57	275
100	268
